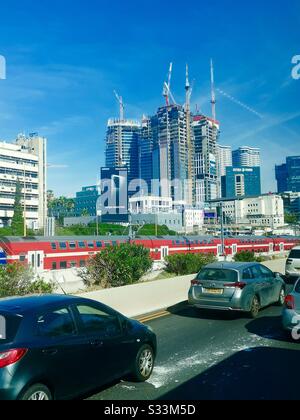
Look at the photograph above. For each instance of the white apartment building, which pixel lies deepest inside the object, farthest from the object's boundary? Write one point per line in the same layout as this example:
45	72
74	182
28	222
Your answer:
224	158
149	204
24	161
264	210
193	220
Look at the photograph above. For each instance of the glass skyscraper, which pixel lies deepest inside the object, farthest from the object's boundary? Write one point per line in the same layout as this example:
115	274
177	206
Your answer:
288	175
241	182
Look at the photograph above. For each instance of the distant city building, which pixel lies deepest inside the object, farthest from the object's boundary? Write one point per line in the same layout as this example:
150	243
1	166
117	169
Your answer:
86	201
122	142
114	195
170	153
24	161
224	154
246	157
145	156
288	175
241	182
259	211
291	202
207	180
150	204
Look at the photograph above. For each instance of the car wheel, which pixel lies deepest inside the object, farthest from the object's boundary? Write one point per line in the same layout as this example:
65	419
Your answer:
144	364
255	307
37	392
281	298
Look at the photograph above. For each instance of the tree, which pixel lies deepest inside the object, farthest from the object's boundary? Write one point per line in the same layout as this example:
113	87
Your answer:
117	266
184	264
85	213
17	224
290	218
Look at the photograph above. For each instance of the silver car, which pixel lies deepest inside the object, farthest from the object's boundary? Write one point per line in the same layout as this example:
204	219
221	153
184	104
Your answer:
291	312
292	270
246	287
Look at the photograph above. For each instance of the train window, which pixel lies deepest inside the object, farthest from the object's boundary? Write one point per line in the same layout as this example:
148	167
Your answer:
73	264
63	245
54	246
72	245
81	244
91	245
22	258
82	263
63	265
99	244
54	266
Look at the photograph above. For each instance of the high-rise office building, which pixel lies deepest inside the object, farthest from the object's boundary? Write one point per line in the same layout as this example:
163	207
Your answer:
86	201
241	182
170	153
114	195
122	146
246	157
145	156
288	175
24	161
207	180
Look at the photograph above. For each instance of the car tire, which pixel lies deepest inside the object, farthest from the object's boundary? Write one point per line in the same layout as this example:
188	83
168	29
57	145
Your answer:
281	298
255	308
143	364
37	392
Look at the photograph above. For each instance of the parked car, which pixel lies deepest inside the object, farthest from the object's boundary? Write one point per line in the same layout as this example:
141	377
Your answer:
246	287
60	347
291	311
292	269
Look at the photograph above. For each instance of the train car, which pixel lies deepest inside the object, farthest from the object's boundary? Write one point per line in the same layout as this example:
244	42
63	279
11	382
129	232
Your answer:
60	253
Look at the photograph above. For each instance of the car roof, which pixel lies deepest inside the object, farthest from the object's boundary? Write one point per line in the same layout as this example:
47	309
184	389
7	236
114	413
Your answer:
232	265
21	305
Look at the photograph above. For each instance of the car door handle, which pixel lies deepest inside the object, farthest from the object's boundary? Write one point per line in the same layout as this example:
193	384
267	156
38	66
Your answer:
96	343
50	352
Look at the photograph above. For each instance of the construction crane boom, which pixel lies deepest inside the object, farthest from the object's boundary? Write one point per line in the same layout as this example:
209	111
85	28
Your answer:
122	106
213	92
167	87
190	153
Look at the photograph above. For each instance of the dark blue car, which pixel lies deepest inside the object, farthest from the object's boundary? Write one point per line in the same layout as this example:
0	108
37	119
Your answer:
62	347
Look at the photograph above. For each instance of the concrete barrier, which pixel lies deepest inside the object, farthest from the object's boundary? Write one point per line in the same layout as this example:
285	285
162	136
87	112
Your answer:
144	298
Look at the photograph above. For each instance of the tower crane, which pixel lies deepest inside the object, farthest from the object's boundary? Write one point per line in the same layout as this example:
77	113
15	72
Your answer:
213	92
122	106
119	157
190	153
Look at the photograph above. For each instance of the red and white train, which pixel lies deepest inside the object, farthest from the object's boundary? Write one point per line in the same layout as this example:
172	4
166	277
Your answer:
58	253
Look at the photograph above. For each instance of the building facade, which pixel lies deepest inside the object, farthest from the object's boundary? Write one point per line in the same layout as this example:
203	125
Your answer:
86	201
246	157
150	204
207	180
122	142
291	202
24	162
224	154
241	182
259	211
288	175
113	200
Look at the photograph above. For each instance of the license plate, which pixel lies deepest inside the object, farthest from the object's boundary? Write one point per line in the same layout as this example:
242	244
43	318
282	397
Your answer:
214	291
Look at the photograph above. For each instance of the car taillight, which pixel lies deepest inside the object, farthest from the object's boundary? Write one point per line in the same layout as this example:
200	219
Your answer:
237	285
289	302
195	283
11	357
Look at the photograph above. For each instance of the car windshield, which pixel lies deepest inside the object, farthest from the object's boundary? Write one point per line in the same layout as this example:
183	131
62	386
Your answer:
218	274
9	325
295	253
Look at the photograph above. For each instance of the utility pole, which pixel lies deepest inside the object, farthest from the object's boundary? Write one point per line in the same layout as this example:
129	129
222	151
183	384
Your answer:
190	154
25	225
222	229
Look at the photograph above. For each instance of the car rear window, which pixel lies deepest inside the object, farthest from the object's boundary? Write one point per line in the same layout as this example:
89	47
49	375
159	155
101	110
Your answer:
297	287
295	253
217	274
9	326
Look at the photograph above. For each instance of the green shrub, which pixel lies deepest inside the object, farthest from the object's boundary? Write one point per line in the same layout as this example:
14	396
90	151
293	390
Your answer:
16	280
117	266
245	256
184	264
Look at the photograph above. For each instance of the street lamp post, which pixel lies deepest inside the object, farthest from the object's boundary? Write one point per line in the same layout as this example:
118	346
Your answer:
25	225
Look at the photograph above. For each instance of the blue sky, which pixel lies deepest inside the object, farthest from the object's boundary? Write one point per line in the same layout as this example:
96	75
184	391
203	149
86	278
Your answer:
65	58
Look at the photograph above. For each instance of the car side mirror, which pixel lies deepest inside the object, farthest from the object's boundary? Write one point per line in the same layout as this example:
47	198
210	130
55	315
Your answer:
277	275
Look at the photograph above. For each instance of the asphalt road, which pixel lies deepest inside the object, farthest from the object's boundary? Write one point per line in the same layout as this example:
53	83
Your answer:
204	355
